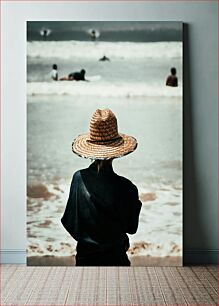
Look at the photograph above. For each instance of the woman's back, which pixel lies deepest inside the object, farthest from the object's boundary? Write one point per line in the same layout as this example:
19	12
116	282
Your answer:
104	207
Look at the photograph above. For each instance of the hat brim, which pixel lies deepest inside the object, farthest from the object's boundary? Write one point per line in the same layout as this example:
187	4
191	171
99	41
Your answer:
113	149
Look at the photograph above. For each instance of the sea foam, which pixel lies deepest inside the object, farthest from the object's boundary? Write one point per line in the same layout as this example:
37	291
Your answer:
66	50
102	89
155	236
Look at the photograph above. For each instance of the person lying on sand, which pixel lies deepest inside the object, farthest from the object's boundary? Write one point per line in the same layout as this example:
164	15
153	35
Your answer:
75	76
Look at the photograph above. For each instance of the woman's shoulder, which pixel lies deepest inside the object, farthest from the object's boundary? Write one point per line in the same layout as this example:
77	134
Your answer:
126	183
77	176
78	172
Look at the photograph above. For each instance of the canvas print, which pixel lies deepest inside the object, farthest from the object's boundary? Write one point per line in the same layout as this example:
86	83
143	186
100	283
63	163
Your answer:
104	143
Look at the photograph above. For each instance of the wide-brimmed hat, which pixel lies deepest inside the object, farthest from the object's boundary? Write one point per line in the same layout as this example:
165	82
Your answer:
103	140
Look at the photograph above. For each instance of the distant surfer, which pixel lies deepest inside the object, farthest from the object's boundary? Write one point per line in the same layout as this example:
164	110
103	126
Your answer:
93	35
104	58
75	76
172	79
54	72
45	32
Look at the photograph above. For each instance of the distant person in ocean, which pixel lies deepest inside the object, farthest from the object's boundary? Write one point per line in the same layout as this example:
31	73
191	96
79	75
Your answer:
45	32
104	58
172	79
102	206
93	35
54	72
75	76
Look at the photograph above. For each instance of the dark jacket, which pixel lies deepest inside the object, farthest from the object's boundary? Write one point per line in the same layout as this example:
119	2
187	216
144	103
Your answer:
102	207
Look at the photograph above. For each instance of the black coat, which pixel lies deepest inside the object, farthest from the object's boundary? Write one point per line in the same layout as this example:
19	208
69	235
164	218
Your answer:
102	207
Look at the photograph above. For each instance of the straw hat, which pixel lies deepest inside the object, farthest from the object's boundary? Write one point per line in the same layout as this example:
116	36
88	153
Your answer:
103	141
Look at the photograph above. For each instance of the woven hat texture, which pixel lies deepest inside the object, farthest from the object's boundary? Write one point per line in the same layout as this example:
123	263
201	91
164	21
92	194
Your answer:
103	140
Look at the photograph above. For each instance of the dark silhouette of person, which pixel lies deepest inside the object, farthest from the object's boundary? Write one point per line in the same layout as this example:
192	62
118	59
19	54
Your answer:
102	206
104	58
93	35
54	72
45	32
172	79
75	76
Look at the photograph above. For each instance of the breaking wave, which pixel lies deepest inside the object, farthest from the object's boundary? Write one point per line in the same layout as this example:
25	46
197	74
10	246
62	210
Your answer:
66	50
101	89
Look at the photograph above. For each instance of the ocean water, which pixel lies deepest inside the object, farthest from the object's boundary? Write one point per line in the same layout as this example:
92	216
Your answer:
134	69
114	31
132	84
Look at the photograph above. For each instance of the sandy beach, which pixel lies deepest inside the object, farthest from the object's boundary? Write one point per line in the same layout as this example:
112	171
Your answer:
136	261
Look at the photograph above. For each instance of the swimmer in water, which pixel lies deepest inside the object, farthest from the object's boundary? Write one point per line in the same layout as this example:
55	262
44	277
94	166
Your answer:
104	58
75	76
172	79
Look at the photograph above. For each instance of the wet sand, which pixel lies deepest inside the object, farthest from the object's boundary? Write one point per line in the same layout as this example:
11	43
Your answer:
136	261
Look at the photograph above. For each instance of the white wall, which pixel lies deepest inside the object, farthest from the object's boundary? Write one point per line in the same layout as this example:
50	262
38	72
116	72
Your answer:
200	109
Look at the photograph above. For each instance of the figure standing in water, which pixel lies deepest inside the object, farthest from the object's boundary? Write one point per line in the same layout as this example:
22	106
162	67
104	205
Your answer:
54	72
93	35
102	206
172	79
